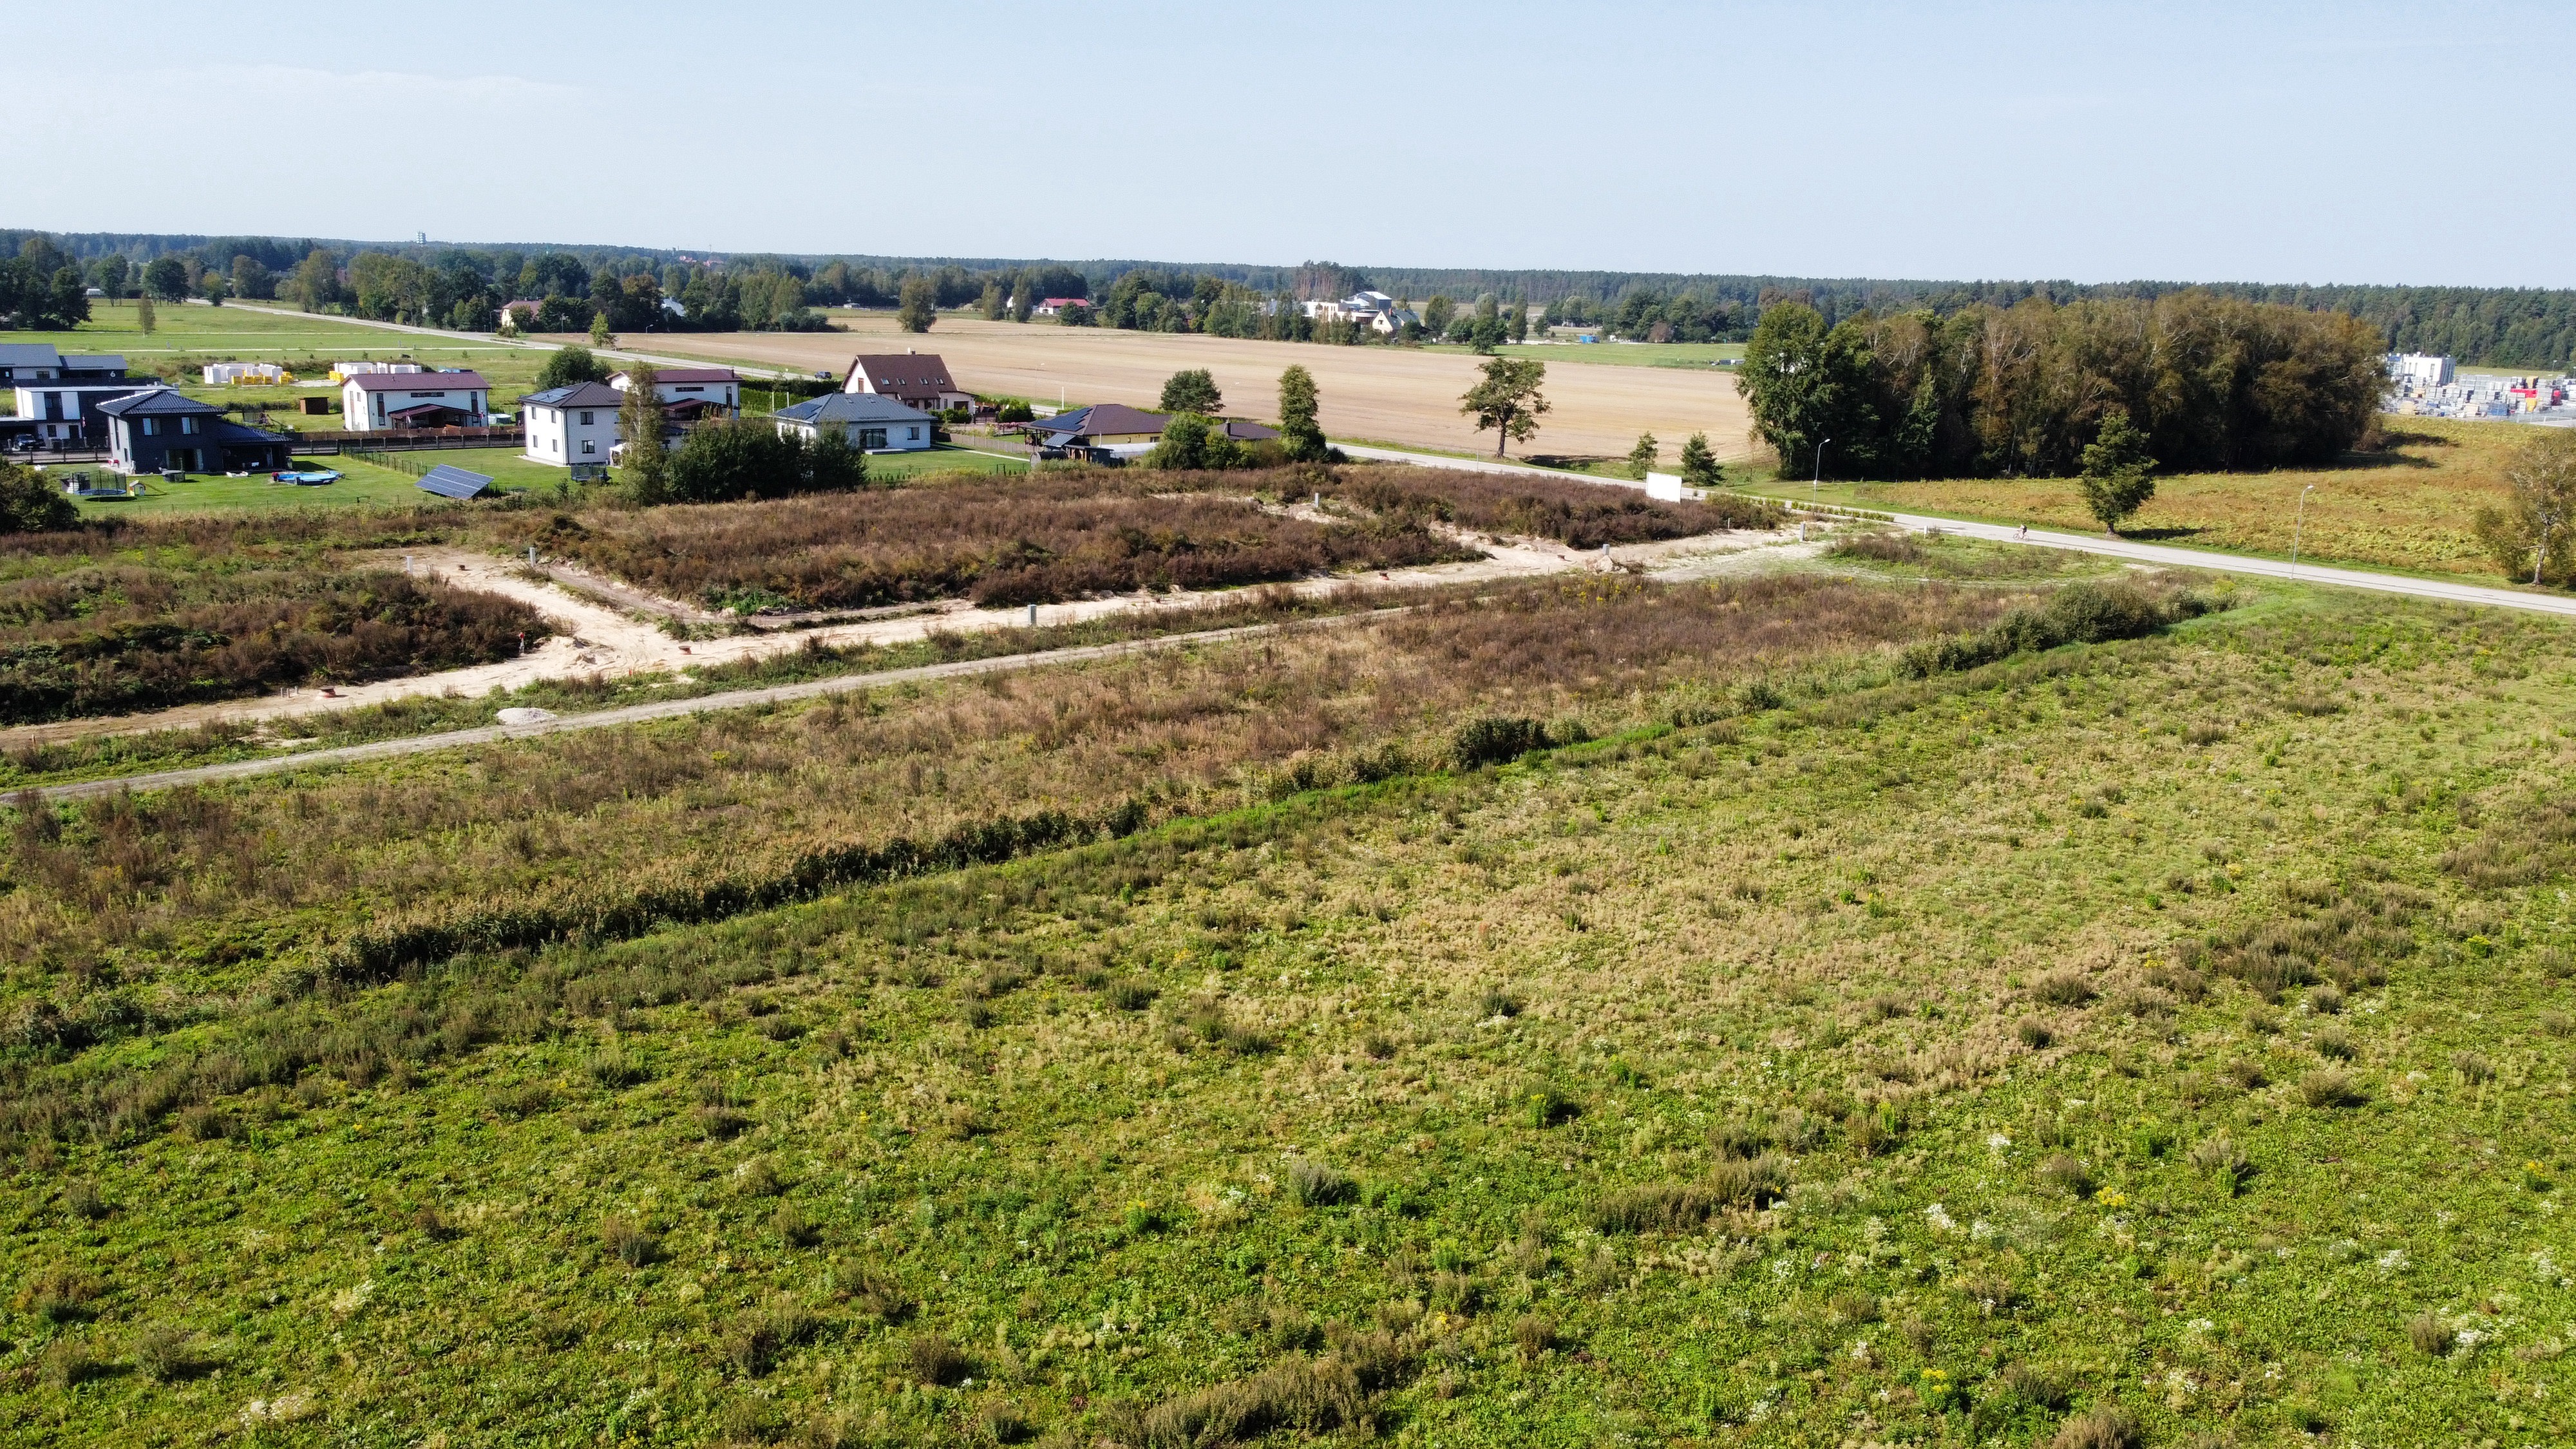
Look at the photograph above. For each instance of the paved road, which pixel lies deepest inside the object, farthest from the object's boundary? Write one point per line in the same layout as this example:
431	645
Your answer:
2181	558
674	708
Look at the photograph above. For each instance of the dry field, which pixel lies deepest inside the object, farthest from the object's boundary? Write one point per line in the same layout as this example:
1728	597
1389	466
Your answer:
2409	507
1391	394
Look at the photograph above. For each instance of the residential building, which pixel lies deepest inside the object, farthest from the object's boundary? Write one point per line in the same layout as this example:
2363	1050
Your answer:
160	428
58	396
522	314
343	371
1115	430
693	394
1054	306
571	425
376	401
874	423
915	379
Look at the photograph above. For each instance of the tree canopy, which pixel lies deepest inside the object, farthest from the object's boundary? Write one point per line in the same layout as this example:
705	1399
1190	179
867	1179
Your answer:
1192	390
1300	436
919	307
1508	400
568	365
2536	529
2215	383
2118	476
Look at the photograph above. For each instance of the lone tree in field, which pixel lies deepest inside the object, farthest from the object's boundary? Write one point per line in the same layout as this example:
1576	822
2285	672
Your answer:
1699	465
600	336
1300	436
2118	475
1643	457
1508	400
143	314
2537	525
1192	391
919	306
647	463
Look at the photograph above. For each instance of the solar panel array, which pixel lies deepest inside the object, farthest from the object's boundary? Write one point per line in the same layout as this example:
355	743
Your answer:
449	481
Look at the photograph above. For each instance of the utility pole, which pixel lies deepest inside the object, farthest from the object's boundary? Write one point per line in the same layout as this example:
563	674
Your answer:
1816	487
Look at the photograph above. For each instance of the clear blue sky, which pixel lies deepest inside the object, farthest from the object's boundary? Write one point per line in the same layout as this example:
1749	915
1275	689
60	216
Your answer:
2424	142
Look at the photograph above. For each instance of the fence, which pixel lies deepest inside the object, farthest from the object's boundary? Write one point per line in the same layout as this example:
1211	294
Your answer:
387	460
407	440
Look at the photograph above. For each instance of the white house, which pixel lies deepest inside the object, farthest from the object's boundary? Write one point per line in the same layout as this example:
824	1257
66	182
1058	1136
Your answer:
875	423
568	425
691	393
377	401
915	379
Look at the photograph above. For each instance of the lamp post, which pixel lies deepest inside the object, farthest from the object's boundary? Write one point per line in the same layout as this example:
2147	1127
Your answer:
1816	487
2298	520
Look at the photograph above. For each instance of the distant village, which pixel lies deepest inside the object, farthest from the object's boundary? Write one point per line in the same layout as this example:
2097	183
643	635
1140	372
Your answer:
2426	386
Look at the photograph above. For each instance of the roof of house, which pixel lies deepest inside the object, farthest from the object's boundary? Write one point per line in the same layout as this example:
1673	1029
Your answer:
229	431
29	354
417	381
157	402
576	395
1103	420
853	407
101	362
917	373
1066	302
1111	420
689	374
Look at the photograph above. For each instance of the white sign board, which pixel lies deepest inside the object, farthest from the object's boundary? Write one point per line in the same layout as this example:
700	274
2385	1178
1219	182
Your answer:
1666	486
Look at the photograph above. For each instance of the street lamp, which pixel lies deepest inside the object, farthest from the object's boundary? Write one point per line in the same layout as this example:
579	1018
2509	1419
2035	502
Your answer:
1816	486
2297	520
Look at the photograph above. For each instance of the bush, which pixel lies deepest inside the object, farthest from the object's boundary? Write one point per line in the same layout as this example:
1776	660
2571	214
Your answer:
628	1242
1679	1206
2331	1087
937	1362
2431	1336
166	1354
32	503
1312	1184
749	458
2107	1427
1496	739
2075	614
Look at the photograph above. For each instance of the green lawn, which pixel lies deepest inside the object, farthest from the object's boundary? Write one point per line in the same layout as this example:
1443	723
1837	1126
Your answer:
361	483
2170	1031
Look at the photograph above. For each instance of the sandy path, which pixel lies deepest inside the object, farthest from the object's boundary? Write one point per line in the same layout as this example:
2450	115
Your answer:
1392	393
596	638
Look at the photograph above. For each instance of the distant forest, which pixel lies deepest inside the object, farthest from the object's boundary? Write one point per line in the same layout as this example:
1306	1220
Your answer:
2497	327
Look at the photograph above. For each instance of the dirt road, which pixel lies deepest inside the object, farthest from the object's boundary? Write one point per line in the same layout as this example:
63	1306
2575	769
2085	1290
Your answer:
1395	394
597	637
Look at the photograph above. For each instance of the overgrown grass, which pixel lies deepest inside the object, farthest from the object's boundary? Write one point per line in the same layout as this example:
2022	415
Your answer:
959	1157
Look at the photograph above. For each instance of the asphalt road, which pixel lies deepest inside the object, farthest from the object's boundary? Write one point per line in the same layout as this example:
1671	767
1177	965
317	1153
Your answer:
2181	558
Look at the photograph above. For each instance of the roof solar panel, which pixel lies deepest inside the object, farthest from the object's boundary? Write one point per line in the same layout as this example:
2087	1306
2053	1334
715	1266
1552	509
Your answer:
449	481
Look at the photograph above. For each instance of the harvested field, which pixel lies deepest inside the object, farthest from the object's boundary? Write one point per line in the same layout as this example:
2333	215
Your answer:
1391	394
99	621
1025	541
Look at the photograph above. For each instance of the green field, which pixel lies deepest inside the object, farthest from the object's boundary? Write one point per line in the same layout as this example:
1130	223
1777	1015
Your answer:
2158	1041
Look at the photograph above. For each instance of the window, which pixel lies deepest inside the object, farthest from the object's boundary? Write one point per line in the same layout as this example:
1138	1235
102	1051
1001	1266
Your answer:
872	437
585	420
151	427
188	425
691	389
912	434
589	446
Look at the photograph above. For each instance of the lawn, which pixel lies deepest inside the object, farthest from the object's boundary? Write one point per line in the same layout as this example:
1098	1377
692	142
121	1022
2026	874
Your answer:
2409	507
2162	1032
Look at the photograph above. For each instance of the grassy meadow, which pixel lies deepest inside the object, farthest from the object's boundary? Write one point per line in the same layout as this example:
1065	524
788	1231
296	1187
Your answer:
1592	1012
2408	507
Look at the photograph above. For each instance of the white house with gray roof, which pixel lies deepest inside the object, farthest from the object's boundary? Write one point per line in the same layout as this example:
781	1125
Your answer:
873	422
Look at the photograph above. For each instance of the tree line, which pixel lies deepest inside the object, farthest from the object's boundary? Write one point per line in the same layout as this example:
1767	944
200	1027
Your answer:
2504	327
2212	382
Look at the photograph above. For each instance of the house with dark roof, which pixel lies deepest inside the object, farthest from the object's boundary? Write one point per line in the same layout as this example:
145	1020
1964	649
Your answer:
571	425
58	394
378	401
873	423
160	429
915	379
1119	431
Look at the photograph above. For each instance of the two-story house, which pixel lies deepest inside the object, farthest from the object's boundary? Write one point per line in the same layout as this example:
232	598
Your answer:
379	401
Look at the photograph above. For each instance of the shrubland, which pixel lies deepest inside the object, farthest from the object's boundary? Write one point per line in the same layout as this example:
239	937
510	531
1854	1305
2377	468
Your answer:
2121	1043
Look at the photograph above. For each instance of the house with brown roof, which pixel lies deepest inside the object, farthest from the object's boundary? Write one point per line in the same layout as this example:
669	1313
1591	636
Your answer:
915	379
372	401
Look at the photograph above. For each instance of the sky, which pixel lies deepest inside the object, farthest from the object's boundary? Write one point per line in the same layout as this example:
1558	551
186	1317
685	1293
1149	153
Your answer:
2422	143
